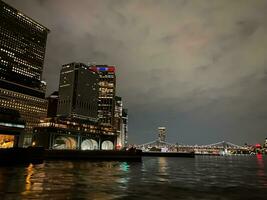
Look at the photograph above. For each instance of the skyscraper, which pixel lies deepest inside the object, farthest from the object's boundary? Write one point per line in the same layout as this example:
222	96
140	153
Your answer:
118	121
78	92
124	129
162	134
76	125
107	92
22	52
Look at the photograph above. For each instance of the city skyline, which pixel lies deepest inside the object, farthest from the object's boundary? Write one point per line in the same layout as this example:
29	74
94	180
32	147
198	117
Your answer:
197	68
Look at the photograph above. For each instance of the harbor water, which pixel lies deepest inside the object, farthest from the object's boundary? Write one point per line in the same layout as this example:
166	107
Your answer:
202	177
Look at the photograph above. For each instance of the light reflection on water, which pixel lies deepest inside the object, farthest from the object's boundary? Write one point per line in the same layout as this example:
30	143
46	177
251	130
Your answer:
155	178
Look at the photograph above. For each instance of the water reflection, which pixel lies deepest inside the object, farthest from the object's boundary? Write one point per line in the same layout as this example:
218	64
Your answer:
261	171
62	180
155	178
162	169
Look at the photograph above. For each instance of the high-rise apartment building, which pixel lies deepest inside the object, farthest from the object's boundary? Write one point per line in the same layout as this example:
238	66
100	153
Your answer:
162	134
22	52
78	92
107	92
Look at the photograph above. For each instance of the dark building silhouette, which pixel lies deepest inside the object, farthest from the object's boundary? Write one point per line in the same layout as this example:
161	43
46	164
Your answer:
22	52
124	129
78	92
52	104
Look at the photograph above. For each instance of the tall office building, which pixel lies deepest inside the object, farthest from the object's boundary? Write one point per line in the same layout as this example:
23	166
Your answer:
22	52
124	129
162	134
107	91
78	92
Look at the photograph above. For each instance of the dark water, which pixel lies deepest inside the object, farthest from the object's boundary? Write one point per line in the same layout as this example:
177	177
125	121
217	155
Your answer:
236	177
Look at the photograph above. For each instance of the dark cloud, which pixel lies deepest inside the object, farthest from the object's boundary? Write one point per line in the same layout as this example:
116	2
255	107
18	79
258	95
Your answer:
196	67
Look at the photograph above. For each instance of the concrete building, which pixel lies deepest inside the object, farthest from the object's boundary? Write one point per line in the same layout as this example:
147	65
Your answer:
78	92
22	53
162	134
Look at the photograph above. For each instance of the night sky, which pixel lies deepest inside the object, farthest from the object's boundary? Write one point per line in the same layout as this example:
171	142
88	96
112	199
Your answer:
197	67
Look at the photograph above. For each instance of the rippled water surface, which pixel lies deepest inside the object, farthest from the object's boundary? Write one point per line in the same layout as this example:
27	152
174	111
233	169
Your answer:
236	177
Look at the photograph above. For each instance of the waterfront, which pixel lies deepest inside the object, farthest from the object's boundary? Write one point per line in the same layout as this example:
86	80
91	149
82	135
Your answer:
223	177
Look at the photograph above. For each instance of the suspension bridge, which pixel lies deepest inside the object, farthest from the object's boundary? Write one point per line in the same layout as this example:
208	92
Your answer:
222	147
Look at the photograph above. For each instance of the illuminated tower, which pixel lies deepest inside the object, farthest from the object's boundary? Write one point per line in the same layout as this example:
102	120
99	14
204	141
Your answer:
106	101
22	53
162	134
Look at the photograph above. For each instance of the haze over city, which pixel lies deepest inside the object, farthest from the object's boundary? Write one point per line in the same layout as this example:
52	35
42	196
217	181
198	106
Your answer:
195	67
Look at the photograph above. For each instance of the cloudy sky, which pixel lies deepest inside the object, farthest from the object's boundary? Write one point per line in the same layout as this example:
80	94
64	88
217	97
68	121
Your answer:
197	67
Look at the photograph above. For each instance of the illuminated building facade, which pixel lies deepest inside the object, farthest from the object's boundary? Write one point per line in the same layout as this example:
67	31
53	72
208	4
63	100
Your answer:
76	124
11	126
71	133
118	121
78	92
22	52
162	134
106	101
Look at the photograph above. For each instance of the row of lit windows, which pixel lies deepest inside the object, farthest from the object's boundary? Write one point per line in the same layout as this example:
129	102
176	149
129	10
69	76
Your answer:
80	104
19	38
23	96
24	72
105	84
23	62
16	41
22	50
20	61
106	76
4	62
90	129
25	19
21	107
105	90
10	45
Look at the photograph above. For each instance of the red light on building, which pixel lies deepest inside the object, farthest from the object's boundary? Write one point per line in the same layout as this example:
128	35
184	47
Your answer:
94	69
103	69
118	146
258	146
111	68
